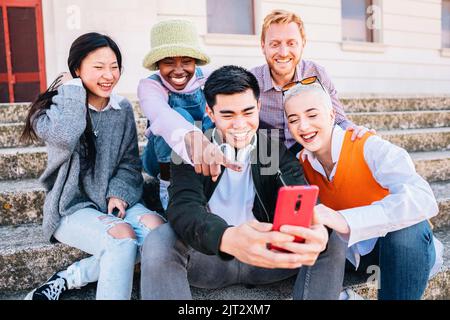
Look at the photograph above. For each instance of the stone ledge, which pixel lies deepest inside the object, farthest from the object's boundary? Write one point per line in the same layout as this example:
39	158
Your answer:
29	260
12	113
402	119
22	202
425	139
29	163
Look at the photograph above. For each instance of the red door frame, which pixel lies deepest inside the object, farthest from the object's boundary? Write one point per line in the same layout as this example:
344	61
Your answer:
24	77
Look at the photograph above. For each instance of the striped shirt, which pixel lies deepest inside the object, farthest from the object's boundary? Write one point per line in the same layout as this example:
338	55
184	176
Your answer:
272	114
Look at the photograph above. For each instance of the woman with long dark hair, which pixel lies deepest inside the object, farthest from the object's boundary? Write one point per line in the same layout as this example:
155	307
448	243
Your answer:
93	177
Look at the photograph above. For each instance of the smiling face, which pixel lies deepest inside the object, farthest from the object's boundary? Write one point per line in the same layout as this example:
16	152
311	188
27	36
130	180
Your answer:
310	121
100	73
236	117
177	71
283	49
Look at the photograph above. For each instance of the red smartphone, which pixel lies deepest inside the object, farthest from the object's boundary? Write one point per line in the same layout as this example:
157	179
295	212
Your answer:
295	206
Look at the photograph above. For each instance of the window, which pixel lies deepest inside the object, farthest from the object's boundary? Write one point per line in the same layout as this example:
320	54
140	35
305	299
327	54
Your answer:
355	17
231	16
446	23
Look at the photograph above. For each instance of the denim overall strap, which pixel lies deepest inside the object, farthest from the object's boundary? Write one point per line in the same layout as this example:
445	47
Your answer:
156	77
191	105
199	74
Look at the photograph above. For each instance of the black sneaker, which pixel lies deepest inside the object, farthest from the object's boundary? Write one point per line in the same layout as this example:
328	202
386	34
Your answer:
50	290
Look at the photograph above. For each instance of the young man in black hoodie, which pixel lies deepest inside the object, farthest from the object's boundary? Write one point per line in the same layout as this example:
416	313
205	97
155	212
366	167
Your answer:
218	232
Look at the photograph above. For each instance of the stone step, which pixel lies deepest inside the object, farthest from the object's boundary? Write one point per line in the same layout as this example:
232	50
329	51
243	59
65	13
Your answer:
22	163
22	202
394	103
13	112
375	119
10	134
29	163
404	115
26	162
425	139
441	191
419	140
402	119
16	112
432	166
29	260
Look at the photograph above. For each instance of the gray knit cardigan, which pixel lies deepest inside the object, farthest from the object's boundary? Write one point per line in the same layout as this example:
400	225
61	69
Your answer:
117	171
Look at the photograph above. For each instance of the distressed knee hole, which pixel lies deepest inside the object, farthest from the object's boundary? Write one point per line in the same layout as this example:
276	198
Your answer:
122	231
151	221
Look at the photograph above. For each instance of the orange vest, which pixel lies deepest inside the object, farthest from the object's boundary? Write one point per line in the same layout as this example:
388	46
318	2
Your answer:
353	184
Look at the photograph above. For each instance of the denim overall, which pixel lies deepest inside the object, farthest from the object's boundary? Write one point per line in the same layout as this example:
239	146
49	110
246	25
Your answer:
192	107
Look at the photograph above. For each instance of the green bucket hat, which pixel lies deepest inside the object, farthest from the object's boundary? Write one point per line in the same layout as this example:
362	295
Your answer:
174	38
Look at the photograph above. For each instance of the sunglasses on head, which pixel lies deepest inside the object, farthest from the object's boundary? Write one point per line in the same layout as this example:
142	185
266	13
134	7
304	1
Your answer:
304	82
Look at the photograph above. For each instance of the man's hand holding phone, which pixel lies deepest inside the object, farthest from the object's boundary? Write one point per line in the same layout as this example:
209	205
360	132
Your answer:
296	238
315	241
248	243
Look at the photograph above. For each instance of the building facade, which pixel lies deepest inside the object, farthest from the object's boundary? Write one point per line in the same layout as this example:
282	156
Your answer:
381	47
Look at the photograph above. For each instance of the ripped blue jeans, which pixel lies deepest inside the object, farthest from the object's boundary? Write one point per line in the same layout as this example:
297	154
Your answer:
112	261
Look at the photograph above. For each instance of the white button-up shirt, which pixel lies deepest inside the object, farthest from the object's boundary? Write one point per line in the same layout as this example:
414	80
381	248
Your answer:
235	194
112	104
114	99
409	202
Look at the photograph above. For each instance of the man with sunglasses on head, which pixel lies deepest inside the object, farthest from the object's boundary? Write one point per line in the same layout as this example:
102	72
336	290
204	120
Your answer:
283	40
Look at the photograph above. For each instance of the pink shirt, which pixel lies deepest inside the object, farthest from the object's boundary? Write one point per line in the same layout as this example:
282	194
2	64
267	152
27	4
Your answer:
164	121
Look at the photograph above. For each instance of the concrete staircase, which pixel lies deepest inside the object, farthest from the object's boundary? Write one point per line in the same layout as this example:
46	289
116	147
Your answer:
420	125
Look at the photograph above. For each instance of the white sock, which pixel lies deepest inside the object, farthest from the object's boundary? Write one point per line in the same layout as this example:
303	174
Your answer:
63	274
